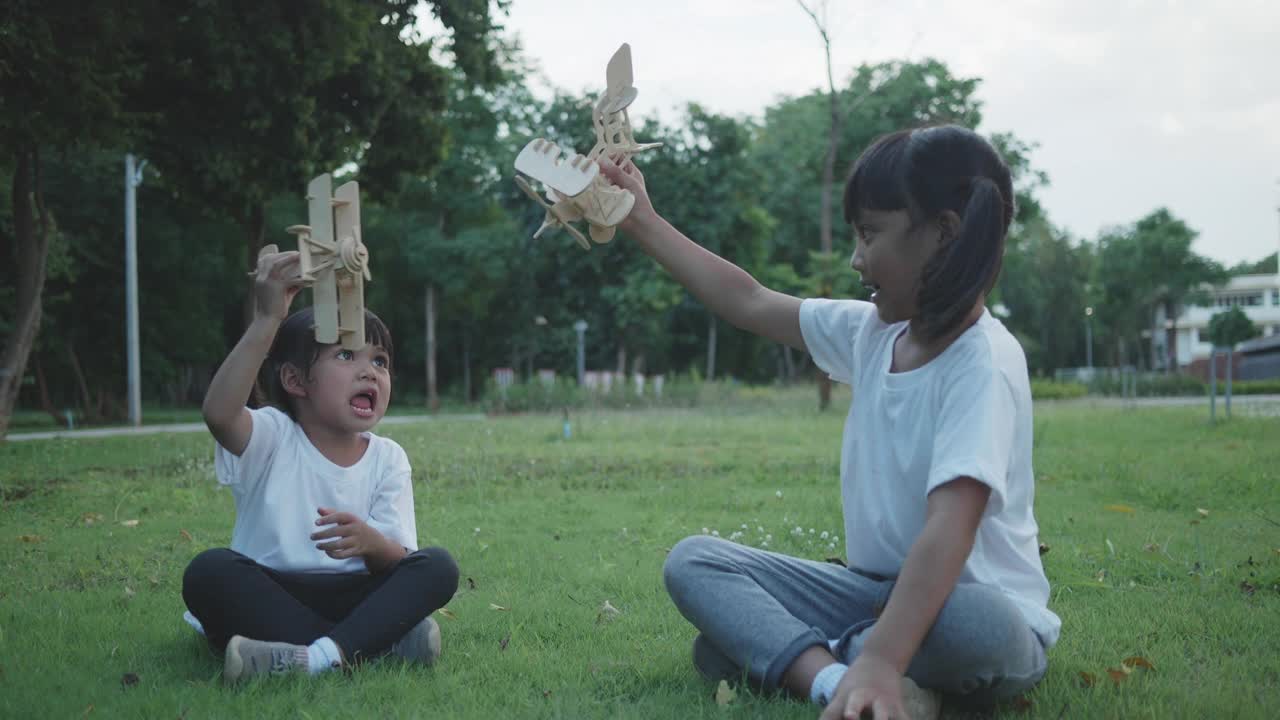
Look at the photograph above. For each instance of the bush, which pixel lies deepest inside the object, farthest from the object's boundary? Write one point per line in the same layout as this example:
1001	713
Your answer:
678	391
1054	390
1151	385
1252	387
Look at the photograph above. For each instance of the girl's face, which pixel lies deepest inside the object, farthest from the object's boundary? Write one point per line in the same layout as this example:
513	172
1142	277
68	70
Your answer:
348	390
890	255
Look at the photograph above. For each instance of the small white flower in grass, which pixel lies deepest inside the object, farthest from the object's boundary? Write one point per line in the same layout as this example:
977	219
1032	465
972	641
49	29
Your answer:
706	531
779	493
831	546
759	528
835	538
799	530
715	533
744	526
824	534
764	544
811	531
477	529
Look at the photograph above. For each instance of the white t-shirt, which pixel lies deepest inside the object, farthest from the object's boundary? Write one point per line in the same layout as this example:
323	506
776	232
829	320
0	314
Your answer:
967	413
280	480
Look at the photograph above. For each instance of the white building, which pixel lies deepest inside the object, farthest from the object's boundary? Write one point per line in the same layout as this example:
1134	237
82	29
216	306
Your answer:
1257	295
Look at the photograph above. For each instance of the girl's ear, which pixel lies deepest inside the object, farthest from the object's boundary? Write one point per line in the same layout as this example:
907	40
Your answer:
292	381
949	222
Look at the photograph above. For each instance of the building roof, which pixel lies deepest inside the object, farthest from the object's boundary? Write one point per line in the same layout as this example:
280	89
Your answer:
1261	345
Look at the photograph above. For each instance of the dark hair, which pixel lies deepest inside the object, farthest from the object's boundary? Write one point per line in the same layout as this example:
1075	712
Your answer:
927	171
295	344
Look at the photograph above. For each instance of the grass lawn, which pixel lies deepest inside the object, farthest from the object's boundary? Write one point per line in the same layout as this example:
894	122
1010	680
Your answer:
1161	530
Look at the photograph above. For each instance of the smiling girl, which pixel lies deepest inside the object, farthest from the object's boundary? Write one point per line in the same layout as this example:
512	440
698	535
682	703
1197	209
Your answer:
944	588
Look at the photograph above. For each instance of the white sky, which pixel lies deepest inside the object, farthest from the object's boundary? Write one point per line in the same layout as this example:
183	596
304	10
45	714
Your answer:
1135	103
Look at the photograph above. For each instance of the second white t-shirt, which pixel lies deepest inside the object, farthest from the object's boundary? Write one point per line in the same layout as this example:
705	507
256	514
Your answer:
967	413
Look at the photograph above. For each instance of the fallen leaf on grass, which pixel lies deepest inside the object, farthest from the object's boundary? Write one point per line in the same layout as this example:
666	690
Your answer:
1021	704
1087	679
471	584
90	518
129	679
502	644
1151	547
492	606
1119	675
546	694
1120	509
1247	587
1137	661
724	694
30	538
607	613
185	535
446	612
1102	574
1202	512
128	591
129	523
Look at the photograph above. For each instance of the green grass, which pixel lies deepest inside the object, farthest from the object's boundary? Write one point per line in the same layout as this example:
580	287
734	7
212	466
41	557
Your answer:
551	529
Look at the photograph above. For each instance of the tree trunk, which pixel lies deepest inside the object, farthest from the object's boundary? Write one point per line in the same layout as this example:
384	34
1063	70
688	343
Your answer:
254	226
46	403
1171	338
32	229
92	412
622	359
789	361
466	364
712	325
433	397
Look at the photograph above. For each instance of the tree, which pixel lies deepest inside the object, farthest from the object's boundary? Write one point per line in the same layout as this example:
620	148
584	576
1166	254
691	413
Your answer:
245	101
1230	328
1265	266
1175	271
57	63
1147	265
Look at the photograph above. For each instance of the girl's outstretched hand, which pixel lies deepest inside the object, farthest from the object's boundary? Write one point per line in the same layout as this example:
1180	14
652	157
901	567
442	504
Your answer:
871	686
628	177
277	279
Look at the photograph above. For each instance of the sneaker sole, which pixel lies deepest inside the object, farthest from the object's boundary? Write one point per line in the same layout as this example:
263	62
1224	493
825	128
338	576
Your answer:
233	666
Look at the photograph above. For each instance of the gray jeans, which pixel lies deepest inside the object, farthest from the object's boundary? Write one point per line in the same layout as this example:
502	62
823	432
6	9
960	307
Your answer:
762	610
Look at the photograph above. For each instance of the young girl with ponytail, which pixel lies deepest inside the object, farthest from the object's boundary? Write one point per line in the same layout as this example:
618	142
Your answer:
944	595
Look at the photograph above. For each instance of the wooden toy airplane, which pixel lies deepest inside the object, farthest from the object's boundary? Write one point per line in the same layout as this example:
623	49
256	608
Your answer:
334	261
574	188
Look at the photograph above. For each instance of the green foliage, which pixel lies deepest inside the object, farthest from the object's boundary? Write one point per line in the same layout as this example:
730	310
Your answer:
1254	387
1150	385
1265	266
1231	327
1042	389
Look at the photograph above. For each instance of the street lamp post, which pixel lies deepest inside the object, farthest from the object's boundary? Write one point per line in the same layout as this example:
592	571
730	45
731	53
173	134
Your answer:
1088	338
581	328
132	178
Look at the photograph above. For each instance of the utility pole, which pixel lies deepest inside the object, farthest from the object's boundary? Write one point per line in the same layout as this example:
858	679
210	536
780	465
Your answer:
132	178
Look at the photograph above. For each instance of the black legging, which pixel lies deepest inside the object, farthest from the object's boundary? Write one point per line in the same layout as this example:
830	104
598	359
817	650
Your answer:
364	614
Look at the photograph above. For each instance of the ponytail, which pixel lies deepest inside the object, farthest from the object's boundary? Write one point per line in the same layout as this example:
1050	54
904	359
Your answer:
967	266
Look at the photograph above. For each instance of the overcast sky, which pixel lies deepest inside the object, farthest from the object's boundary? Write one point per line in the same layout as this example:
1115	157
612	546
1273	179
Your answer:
1135	104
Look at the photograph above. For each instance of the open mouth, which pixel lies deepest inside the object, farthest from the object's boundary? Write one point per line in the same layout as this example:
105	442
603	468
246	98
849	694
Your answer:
364	402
